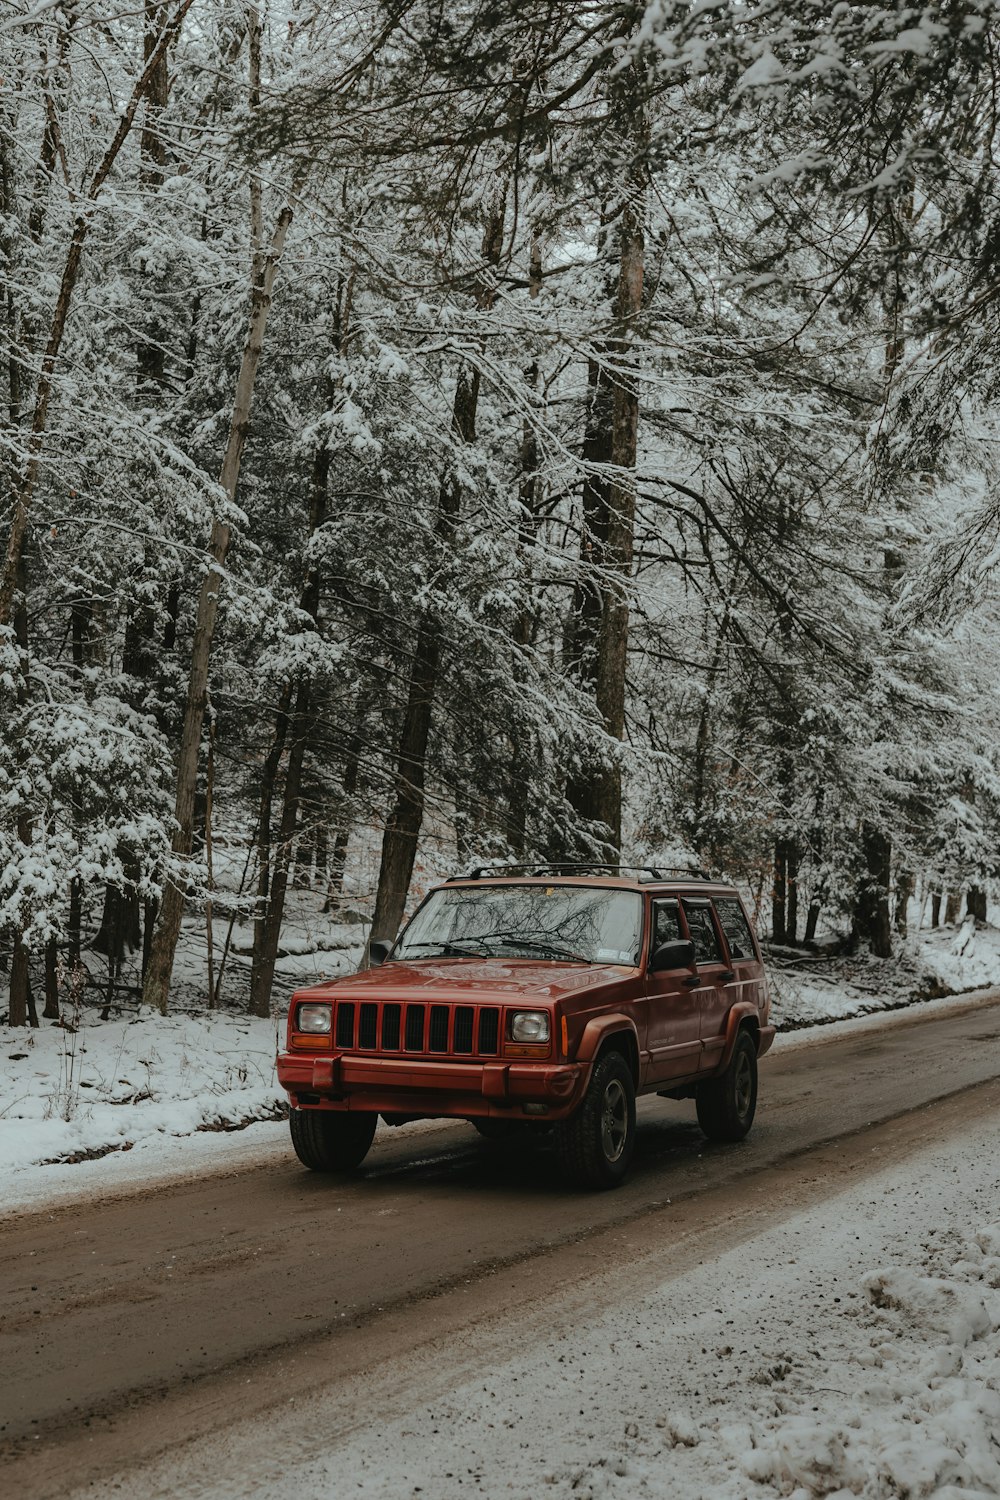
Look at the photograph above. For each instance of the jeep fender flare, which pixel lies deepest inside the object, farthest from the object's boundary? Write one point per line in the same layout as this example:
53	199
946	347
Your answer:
599	1031
743	1013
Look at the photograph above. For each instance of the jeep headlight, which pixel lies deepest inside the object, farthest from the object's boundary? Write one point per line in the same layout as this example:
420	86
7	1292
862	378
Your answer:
529	1026
313	1018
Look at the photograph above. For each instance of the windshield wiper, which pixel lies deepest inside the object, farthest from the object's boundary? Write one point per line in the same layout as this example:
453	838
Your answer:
520	942
446	950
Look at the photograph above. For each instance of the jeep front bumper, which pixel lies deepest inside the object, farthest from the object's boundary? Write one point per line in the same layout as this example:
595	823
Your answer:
398	1085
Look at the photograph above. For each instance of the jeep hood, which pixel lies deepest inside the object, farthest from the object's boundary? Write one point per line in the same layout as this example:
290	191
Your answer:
471	981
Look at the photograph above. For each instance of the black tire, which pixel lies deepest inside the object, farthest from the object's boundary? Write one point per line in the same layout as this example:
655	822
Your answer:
595	1144
726	1105
327	1141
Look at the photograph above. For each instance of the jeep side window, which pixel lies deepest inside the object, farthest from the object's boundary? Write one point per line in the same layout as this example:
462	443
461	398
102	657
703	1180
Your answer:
666	923
736	927
703	934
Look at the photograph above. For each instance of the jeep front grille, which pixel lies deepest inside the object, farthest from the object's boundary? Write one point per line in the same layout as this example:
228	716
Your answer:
435	1030
345	1024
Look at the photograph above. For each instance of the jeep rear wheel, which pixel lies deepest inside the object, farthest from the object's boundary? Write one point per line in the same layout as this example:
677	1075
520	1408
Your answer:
596	1143
726	1105
328	1141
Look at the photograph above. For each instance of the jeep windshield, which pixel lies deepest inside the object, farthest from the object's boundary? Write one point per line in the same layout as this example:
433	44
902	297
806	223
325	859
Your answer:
558	923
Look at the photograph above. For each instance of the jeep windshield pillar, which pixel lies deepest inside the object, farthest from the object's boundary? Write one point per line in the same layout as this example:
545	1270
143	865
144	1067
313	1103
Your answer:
538	1005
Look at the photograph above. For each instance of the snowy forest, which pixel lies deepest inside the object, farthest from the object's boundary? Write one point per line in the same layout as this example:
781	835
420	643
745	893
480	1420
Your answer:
436	434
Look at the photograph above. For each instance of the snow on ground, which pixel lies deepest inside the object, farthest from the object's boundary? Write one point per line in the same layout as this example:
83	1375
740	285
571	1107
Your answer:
814	989
111	1085
862	1358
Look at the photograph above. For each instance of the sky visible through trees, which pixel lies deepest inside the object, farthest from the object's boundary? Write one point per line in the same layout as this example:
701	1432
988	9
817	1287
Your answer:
493	431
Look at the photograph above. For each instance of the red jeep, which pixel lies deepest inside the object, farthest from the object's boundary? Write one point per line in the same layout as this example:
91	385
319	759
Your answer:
548	999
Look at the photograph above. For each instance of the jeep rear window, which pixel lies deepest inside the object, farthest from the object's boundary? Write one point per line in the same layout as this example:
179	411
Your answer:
736	928
703	934
549	922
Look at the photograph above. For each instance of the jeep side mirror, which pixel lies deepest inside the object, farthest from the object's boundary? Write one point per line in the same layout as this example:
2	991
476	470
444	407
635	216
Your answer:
678	954
378	951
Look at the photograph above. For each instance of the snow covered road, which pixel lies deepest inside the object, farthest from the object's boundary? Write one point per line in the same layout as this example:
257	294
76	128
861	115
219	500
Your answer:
322	1340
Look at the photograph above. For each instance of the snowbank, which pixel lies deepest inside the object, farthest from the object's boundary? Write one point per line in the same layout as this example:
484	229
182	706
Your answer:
813	990
76	1094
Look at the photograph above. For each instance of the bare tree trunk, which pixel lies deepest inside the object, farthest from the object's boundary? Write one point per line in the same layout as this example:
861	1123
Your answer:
262	978
812	917
209	873
74	925
587	595
792	884
156	989
349	787
268	782
779	892
153	151
399	843
51	1010
599	798
904	890
402	830
529	495
272	887
935	908
21	1001
871	916
20	985
975	903
951	908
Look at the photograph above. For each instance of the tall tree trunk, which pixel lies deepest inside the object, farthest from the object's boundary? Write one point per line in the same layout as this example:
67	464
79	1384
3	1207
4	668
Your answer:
792	887
349	787
262	978
21	1002
599	797
812	917
209	869
156	989
904	890
402	830
272	884
951	908
51	1011
587	594
975	902
74	925
871	917
268	783
935	908
153	156
779	891
529	496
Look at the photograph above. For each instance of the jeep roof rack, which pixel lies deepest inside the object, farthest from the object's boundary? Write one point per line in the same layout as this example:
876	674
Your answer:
646	873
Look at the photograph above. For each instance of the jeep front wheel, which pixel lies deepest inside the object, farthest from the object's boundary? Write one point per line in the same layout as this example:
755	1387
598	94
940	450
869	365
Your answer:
328	1141
726	1105
596	1143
